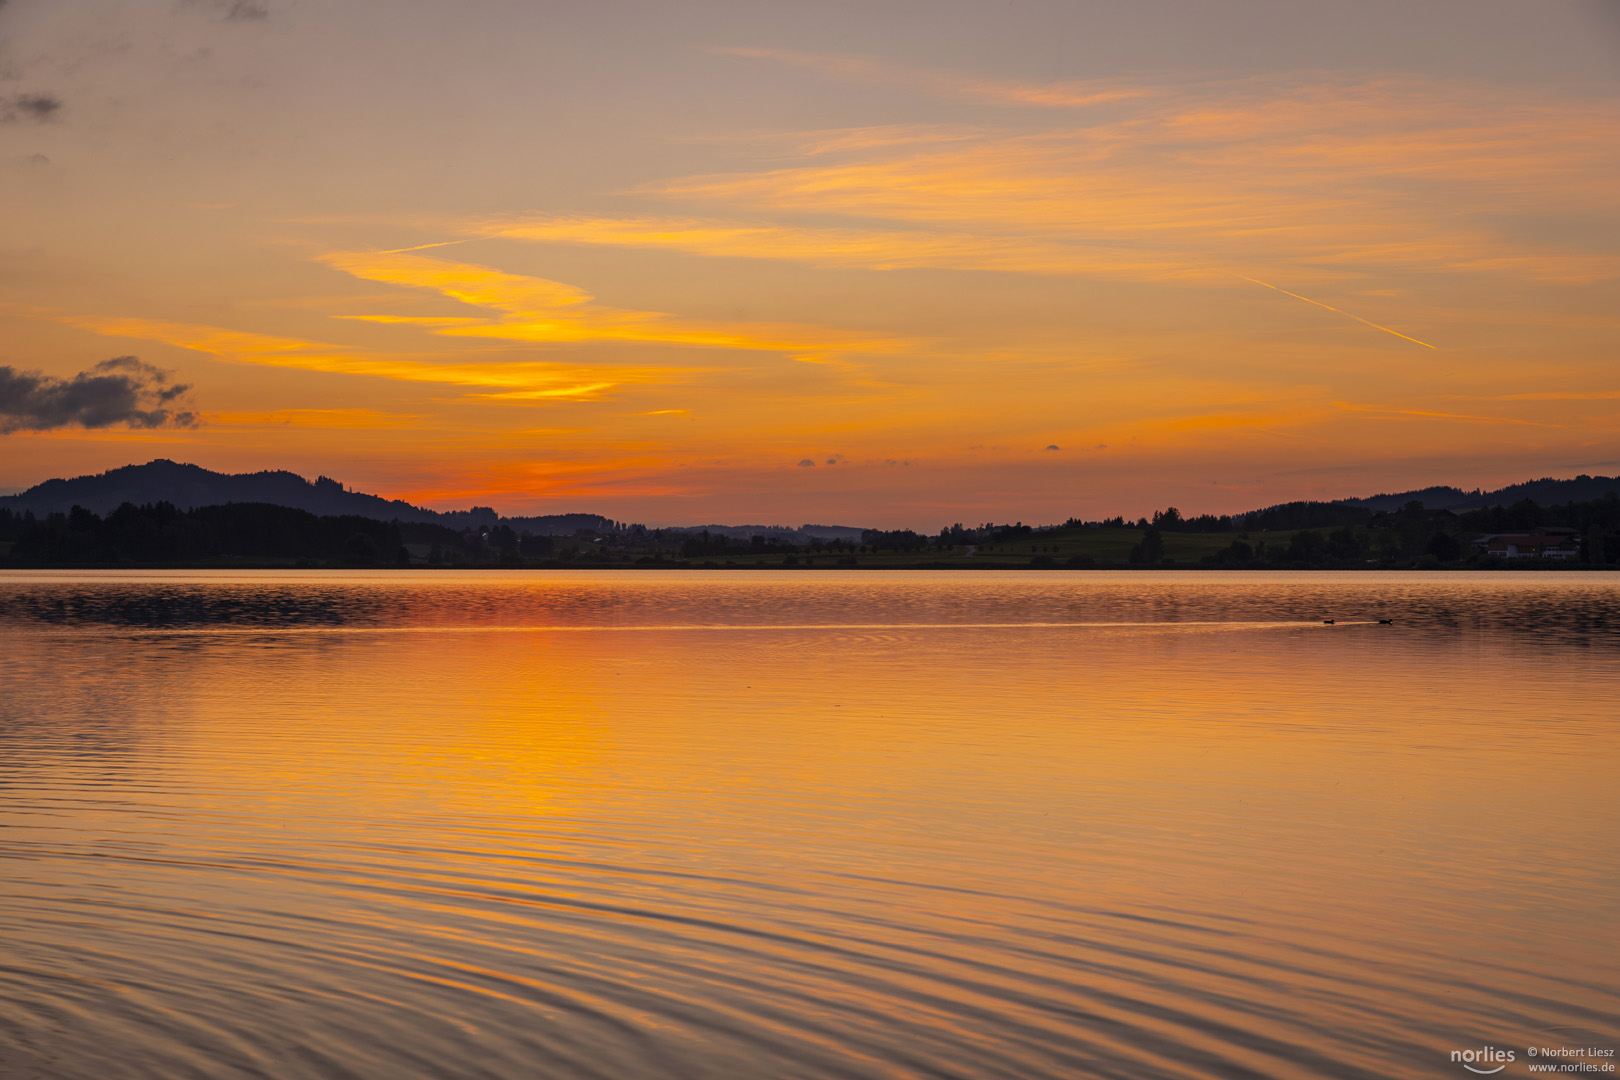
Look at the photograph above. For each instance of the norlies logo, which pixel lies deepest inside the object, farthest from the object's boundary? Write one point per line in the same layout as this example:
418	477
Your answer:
1481	1060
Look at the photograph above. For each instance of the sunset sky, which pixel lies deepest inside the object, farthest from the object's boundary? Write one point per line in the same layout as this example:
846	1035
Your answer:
897	264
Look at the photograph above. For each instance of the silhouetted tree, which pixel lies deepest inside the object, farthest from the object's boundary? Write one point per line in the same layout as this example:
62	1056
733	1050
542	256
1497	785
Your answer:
1344	544
1444	547
535	547
361	548
1151	549
1168	520
1306	547
1237	553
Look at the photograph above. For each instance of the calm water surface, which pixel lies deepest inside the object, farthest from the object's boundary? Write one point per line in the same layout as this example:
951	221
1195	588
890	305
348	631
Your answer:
645	825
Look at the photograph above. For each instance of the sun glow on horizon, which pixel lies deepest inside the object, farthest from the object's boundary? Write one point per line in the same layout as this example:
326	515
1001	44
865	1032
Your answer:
952	265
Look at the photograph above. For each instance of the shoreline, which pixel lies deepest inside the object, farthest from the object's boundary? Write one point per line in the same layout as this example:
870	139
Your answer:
1522	566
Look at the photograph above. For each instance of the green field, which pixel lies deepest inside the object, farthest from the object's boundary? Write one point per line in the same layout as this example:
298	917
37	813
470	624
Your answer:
1114	545
1107	547
1061	549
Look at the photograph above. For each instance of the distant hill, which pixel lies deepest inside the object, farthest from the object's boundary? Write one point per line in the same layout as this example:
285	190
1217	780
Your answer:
833	532
191	486
1546	491
785	533
563	524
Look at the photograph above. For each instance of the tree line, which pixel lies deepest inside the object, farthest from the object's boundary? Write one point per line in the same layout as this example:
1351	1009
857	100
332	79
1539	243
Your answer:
1409	536
160	532
1293	535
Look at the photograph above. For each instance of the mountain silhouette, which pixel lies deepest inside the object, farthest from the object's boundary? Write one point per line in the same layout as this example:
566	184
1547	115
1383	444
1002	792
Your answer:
191	486
1546	491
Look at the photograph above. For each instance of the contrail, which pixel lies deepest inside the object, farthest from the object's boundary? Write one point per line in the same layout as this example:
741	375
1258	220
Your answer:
446	243
1330	307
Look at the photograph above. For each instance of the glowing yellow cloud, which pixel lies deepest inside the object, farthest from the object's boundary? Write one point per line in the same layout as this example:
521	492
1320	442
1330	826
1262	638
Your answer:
1331	181
430	321
494	482
540	311
523	380
858	248
1308	184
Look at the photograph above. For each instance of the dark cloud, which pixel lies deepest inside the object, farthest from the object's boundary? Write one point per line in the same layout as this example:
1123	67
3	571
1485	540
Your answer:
1054	446
123	390
36	107
235	10
807	464
232	10
246	9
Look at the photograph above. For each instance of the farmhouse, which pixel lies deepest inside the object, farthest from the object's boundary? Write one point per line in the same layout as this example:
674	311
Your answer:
1542	544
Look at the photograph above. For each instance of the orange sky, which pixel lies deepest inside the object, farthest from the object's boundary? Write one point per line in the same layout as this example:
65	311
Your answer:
757	263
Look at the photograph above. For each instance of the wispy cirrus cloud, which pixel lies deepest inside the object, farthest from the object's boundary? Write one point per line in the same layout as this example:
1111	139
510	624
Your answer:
820	141
514	380
1557	395
1328	180
1317	189
872	249
341	419
539	311
881	250
934	82
527	310
1430	414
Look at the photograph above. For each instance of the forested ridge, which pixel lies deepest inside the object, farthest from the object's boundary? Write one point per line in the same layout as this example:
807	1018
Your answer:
1290	536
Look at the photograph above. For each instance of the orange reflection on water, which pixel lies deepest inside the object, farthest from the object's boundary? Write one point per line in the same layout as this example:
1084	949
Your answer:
846	825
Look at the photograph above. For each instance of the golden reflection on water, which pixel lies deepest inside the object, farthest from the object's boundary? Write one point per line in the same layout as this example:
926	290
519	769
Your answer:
848	825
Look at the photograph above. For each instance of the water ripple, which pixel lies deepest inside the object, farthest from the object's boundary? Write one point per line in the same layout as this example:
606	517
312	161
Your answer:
1020	828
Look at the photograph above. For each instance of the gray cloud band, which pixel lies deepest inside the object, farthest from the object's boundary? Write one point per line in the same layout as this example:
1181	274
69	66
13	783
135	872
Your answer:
123	390
36	107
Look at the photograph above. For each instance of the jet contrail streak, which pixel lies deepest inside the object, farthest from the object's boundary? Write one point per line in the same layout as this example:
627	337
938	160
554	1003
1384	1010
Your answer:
445	243
1330	307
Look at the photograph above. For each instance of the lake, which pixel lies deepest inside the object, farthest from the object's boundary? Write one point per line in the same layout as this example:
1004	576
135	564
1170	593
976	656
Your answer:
791	824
